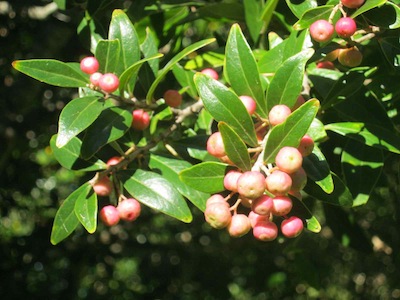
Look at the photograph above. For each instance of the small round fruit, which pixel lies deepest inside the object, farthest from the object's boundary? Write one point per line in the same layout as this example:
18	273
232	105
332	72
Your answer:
265	231
114	160
289	159
173	98
215	145
345	27
278	183
239	225
299	180
251	184
262	206
129	209
331	56
109	215
103	186
282	205
292	227
299	102
249	103
230	180
95	78
216	198
140	119
350	57
255	218
89	65
218	215
352	3
321	31
109	82
210	72
326	65
306	145
278	114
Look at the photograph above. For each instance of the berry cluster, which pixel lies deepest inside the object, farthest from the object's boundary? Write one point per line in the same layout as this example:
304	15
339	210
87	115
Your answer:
264	192
128	210
322	31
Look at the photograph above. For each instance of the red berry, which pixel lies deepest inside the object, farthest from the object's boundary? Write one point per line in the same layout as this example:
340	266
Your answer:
321	31
173	98
103	187
265	231
352	3
210	72
251	184
299	180
306	146
262	206
109	82
278	183
289	159
350	57
114	160
218	215
95	78
109	215
282	205
140	119
89	65
129	209
345	27
215	145
292	227
278	114
230	180
249	103
255	218
239	225
326	65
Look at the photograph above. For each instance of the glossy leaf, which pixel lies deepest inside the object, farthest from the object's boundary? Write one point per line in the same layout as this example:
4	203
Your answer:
272	59
69	156
340	196
312	15
149	48
252	10
86	210
298	8
386	16
52	72
290	132
66	221
185	79
76	116
286	85
112	124
235	148
155	191
207	177
317	169
224	105
107	53
121	28
241	69
317	131
268	11
368	134
170	168
171	64
362	166
368	5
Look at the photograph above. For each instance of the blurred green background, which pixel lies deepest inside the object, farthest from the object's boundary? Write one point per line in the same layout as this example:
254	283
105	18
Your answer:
356	256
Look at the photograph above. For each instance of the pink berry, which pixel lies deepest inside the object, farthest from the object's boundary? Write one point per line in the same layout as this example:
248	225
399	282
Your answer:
109	82
249	103
218	215
95	78
140	119
289	159
306	145
321	31
299	180
114	160
326	65
345	27
210	72
265	231
251	184
89	65
262	205
278	114
282	205
292	227
172	98
239	225
352	3
255	218
109	215
103	187
215	145
216	198
230	180
278	183
129	209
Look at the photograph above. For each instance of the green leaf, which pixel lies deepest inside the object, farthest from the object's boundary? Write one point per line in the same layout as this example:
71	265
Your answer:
185	79
224	105
298	8
362	166
317	131
290	132
86	209
172	62
112	124
301	210
206	177
121	28
52	72
66	221
386	16
368	5
268	11
235	148
252	13
156	192
107	53
340	196
69	156
312	15
170	169
149	48
272	59
286	85
318	170
76	116
241	69
233	11
368	134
